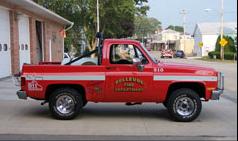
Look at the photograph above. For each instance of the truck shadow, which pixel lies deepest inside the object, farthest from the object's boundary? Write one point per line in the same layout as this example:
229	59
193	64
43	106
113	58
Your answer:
121	111
107	111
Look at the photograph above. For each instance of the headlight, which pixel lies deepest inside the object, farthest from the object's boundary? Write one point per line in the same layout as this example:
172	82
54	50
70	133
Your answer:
220	81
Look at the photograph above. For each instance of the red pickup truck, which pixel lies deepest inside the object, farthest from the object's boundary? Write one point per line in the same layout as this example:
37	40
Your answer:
125	72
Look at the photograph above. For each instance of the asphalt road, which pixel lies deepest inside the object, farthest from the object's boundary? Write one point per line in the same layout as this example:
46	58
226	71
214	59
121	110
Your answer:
22	120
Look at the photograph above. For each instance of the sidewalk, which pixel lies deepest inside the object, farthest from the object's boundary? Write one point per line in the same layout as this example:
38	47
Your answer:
194	57
5	78
8	89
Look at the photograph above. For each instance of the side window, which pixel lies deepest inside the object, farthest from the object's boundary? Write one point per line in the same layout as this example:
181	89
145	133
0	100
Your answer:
22	46
141	56
0	47
5	47
26	47
122	54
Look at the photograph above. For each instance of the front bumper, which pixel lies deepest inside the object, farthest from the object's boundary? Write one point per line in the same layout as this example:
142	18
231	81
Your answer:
21	94
216	94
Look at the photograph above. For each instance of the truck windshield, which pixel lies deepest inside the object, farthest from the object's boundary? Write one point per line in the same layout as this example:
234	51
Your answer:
150	55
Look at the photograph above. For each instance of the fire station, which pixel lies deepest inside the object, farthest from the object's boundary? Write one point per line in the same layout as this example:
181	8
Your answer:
29	33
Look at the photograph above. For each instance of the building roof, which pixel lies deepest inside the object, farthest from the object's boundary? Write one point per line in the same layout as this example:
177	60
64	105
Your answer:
170	31
214	28
40	10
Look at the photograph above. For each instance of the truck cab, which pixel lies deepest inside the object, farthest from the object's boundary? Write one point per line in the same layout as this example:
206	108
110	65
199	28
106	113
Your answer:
126	72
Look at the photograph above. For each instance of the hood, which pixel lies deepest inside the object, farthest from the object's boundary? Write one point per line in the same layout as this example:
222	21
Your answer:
186	68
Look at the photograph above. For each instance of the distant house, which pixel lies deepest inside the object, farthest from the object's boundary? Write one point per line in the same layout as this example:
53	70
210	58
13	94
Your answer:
29	33
165	39
186	44
206	34
171	39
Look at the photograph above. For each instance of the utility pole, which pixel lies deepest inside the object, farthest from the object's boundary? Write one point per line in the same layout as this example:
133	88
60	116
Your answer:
98	22
98	30
184	13
222	29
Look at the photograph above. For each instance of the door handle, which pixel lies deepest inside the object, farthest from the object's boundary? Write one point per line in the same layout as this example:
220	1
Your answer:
109	68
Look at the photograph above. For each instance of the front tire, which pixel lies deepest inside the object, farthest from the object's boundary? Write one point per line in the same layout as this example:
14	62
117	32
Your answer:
85	103
65	103
184	105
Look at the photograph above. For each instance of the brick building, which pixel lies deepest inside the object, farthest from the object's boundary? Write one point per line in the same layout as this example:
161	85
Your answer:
29	33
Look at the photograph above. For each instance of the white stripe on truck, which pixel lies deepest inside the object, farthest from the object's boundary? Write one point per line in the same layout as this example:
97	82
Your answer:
66	77
102	77
184	78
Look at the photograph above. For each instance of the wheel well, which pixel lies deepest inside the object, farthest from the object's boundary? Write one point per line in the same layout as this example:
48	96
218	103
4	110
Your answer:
197	87
51	88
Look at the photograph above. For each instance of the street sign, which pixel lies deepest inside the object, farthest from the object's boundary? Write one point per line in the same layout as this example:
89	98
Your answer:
200	44
223	42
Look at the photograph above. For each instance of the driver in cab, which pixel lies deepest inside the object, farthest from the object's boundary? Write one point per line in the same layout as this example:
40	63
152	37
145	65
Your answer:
125	54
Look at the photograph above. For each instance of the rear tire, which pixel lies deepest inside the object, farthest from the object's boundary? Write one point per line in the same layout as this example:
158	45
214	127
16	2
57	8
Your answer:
65	103
165	104
184	105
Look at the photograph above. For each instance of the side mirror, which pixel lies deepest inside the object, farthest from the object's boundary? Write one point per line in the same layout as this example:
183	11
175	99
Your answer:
139	65
136	61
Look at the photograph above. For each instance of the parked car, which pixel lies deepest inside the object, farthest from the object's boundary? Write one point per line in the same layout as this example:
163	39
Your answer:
179	54
148	48
167	53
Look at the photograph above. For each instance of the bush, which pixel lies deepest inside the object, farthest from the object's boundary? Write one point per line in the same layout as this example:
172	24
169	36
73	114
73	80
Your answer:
227	55
214	53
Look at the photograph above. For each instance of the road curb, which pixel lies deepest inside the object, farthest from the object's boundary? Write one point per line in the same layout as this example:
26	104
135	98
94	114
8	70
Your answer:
108	137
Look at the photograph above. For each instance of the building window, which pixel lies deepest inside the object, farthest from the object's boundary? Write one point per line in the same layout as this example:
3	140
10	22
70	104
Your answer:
5	47
26	47
22	46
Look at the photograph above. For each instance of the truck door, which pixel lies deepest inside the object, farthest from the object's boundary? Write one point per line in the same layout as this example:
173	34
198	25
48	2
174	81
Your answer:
124	82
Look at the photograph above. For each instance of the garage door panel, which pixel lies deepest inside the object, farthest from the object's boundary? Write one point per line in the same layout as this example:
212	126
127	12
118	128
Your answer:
24	40
5	52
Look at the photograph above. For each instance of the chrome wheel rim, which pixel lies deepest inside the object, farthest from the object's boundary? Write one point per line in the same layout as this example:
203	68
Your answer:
65	104
185	106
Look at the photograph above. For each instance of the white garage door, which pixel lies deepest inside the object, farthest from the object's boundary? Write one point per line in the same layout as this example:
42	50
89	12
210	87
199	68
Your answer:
24	40
5	52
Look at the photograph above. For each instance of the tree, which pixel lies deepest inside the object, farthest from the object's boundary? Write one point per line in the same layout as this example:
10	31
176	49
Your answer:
141	7
176	28
145	26
71	10
235	41
116	18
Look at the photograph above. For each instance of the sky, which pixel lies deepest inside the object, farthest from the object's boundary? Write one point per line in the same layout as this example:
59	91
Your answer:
168	11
